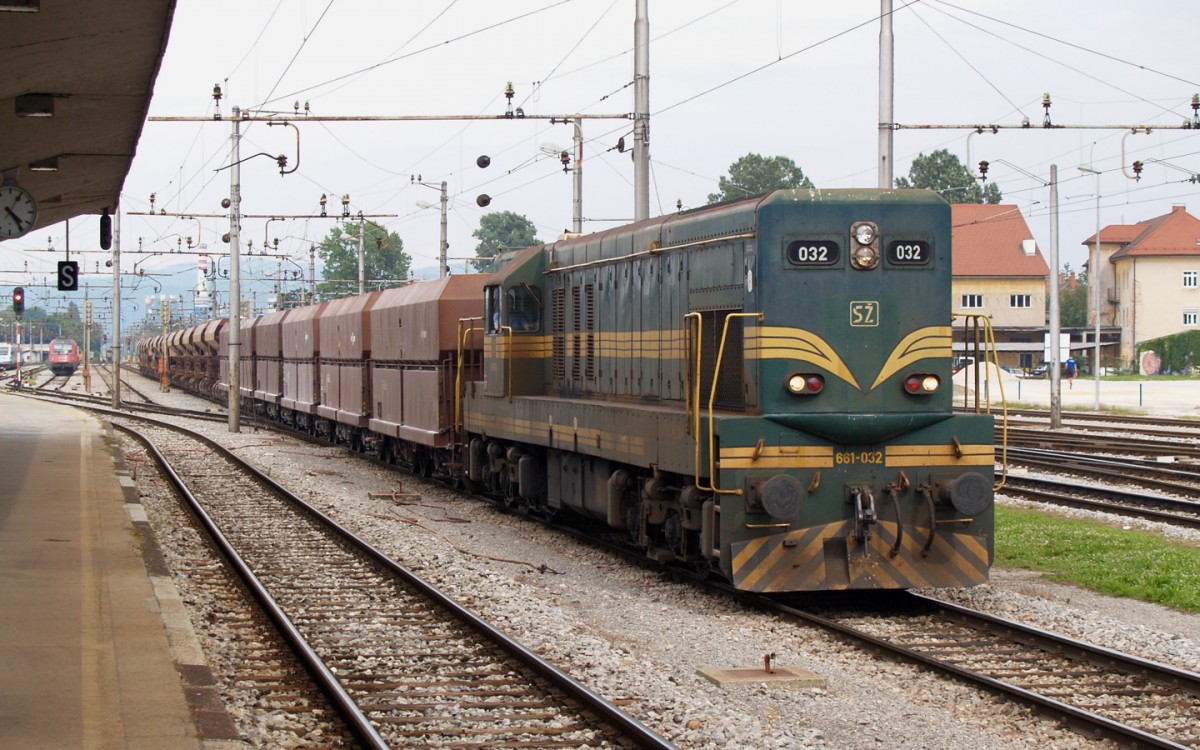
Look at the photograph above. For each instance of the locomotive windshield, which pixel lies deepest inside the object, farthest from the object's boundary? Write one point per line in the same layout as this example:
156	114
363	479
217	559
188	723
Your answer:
524	308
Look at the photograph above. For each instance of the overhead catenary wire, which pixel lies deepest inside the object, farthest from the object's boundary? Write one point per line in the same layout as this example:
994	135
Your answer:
437	45
1073	69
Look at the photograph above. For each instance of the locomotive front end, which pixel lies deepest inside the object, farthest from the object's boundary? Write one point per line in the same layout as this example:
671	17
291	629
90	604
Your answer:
854	471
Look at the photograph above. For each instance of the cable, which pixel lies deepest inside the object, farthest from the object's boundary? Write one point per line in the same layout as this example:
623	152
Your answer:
788	56
409	41
297	54
570	52
257	39
1056	62
437	45
1071	44
963	57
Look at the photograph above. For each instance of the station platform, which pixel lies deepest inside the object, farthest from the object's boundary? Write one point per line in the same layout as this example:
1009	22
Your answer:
96	650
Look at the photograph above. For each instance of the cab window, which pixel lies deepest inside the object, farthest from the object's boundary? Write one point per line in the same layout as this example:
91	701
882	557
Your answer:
523	309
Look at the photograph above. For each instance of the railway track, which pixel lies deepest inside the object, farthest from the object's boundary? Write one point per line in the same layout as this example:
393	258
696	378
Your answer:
1146	425
1121	502
106	375
403	663
1100	692
1181	507
1113	444
55	382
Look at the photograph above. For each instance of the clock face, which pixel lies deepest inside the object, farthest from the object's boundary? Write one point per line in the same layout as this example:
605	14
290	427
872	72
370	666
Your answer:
18	212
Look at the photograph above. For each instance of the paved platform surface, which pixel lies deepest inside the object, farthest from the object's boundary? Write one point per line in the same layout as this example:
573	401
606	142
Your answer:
93	650
1153	396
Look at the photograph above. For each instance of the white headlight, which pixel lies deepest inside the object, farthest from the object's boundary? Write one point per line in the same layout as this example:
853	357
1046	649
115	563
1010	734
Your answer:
864	234
865	257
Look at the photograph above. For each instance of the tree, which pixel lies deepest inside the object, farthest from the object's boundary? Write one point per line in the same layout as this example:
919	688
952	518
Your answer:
385	264
1072	299
754	175
500	231
941	171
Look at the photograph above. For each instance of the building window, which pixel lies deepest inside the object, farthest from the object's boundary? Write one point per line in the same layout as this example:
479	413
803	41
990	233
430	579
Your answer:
1190	279
972	300
1189	317
1019	300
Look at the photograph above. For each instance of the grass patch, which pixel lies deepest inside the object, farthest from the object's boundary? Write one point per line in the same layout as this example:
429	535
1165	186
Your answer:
1109	560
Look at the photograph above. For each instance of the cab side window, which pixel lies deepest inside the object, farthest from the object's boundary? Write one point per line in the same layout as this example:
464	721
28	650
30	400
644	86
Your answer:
491	308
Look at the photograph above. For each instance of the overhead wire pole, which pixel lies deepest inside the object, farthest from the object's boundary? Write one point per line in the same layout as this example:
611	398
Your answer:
641	112
1053	346
116	322
362	252
1094	283
443	244
886	88
1055	354
235	281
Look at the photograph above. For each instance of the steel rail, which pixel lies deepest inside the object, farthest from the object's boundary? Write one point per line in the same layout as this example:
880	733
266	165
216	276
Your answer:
1124	502
1184	482
325	679
642	735
1108	727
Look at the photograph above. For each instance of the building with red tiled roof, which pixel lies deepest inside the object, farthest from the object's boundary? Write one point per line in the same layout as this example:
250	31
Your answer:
999	271
1149	276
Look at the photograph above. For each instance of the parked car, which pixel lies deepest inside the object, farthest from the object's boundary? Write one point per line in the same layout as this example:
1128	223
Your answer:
1040	370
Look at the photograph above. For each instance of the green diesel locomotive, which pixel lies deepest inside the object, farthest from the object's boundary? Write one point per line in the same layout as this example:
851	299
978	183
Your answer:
761	388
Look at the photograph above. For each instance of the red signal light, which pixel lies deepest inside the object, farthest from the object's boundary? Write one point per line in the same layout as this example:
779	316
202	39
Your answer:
805	384
921	384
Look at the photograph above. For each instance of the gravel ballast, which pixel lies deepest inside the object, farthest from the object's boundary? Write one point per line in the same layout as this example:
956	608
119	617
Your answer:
640	638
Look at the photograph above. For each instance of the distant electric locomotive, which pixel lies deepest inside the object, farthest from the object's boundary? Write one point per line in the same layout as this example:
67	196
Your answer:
760	389
64	356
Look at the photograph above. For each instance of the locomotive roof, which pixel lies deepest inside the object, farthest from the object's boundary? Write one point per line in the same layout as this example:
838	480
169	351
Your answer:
728	219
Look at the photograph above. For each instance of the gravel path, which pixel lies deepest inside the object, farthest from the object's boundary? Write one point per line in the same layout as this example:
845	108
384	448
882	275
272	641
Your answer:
632	634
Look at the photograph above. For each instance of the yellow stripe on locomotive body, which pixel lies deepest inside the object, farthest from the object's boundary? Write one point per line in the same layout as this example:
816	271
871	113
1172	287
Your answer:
901	456
762	343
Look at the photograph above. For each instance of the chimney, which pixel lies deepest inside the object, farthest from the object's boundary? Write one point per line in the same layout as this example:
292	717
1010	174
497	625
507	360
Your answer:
1178	208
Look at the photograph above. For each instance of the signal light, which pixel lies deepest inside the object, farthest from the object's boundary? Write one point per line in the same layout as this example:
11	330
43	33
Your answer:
803	384
105	231
921	384
19	300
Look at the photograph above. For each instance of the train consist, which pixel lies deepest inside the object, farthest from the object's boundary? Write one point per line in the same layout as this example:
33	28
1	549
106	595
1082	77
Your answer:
758	389
64	356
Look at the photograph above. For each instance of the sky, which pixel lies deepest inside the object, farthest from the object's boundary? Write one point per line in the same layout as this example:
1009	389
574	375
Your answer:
794	78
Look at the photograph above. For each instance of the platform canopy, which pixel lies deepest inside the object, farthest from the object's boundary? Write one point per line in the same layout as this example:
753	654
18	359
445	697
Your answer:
76	77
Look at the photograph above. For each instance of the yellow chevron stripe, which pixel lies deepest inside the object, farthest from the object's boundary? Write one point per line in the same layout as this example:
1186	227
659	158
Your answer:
774	342
923	343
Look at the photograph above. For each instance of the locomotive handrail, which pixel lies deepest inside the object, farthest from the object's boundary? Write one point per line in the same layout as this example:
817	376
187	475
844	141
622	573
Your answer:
990	357
692	409
462	335
508	357
652	250
712	398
